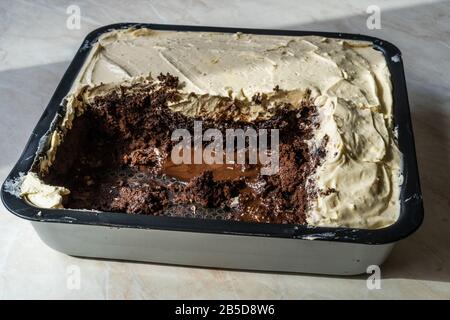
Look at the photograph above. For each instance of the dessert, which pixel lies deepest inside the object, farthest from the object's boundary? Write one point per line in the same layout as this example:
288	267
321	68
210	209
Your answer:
329	100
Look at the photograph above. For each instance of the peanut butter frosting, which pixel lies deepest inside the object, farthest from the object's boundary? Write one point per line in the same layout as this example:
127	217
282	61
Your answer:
359	180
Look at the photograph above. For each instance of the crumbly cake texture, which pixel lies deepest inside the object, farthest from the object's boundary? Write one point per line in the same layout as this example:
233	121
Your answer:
331	99
116	158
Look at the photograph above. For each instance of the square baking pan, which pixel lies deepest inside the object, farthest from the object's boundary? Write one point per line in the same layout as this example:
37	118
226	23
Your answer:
218	243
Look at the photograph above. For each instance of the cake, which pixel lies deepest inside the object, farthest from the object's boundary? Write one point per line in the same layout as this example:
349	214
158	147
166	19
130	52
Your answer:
329	101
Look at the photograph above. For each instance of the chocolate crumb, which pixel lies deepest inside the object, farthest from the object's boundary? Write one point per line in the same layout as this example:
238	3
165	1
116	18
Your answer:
122	144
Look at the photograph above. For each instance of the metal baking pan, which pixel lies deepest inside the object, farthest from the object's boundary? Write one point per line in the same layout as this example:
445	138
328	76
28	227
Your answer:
217	243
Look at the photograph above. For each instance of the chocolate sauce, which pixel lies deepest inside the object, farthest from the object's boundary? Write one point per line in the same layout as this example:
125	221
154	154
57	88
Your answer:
221	171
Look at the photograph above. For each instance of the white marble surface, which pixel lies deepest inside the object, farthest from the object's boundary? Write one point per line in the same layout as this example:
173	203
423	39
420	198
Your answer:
36	48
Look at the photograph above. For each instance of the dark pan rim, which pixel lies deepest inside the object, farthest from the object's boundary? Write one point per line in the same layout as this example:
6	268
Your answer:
411	211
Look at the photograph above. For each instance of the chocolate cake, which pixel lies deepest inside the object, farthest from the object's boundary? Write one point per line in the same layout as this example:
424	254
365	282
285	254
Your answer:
329	100
122	161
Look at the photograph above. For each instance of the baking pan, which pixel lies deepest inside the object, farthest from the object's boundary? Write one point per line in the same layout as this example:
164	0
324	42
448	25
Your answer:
217	243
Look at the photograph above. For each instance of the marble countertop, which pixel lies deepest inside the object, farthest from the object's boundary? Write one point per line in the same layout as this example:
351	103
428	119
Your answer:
37	43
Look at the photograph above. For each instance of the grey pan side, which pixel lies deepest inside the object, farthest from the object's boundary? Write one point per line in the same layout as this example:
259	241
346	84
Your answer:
212	250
